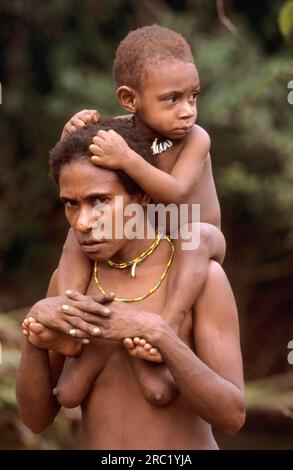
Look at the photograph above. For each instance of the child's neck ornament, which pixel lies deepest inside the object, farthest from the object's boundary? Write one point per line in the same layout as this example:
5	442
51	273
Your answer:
160	147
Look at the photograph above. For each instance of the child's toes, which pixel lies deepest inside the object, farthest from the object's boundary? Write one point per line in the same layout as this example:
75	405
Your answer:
128	343
147	346
153	351
37	328
136	340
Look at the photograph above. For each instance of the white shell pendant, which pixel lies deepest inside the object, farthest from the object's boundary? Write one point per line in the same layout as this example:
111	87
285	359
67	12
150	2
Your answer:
133	269
161	147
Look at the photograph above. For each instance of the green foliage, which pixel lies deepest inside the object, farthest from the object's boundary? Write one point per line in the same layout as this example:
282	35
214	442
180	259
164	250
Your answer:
286	19
55	59
60	62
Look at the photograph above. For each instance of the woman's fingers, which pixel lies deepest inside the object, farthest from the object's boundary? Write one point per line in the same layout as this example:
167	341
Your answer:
85	316
88	306
79	325
100	298
74	295
104	298
66	327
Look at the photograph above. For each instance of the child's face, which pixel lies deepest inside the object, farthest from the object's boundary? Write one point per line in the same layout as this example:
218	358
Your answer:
167	104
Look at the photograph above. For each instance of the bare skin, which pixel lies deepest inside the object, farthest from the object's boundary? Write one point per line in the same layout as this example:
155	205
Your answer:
166	108
205	361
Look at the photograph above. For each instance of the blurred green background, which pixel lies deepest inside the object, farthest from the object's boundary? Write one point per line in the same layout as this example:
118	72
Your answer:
55	59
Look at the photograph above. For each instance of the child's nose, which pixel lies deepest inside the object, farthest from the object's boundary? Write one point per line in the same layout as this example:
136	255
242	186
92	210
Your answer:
187	110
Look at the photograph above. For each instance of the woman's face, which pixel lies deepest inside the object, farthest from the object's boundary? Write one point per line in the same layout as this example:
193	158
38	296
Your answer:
95	202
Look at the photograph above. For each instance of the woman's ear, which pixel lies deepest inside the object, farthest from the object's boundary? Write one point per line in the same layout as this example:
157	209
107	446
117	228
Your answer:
127	97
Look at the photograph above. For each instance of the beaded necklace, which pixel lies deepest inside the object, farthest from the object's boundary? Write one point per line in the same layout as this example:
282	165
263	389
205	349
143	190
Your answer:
134	262
154	288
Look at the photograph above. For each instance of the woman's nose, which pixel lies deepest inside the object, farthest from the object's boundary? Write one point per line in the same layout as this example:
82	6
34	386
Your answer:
85	221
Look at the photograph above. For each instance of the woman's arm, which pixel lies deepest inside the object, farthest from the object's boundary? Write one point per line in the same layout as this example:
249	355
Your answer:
37	375
211	379
37	404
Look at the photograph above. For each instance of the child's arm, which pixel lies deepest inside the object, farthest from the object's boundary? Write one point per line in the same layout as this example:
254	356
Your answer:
84	117
67	277
111	151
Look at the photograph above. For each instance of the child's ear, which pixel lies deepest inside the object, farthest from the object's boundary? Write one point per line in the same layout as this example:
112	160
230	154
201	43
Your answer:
127	97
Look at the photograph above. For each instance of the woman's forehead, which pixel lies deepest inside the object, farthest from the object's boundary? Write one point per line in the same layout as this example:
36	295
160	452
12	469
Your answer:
85	177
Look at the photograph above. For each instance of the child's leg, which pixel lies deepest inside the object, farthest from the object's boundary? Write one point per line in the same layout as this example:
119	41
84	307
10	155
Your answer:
188	272
187	276
74	270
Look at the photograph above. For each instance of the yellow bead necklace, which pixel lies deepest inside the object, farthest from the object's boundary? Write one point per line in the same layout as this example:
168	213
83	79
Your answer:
134	262
153	289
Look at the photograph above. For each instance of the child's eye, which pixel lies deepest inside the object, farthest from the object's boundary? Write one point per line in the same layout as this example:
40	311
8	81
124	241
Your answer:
193	96
171	99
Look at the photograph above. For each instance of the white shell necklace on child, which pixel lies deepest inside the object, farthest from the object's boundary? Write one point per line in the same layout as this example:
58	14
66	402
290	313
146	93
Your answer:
160	147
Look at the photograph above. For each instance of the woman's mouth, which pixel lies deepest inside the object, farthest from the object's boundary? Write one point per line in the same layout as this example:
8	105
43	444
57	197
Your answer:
92	246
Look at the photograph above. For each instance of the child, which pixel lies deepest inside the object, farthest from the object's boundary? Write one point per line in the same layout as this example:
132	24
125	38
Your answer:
158	83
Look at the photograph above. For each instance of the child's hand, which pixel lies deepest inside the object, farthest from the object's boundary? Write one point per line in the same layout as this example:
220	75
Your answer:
109	150
80	119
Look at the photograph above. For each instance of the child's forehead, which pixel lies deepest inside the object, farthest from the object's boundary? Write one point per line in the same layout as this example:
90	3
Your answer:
170	73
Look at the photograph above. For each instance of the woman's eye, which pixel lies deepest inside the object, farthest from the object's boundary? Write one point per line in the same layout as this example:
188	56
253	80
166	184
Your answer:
70	203
100	200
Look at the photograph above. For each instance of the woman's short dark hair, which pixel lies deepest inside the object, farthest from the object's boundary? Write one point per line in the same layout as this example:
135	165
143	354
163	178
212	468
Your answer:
75	146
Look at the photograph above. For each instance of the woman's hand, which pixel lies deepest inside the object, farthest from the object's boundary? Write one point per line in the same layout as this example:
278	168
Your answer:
117	321
50	312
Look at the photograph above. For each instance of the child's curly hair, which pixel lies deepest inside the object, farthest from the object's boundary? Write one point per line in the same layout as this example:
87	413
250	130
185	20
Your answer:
75	146
143	47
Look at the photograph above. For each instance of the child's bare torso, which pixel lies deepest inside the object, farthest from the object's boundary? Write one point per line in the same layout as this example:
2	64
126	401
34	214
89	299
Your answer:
204	193
115	415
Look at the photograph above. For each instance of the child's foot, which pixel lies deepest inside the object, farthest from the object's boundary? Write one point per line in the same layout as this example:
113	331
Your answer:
45	338
140	348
